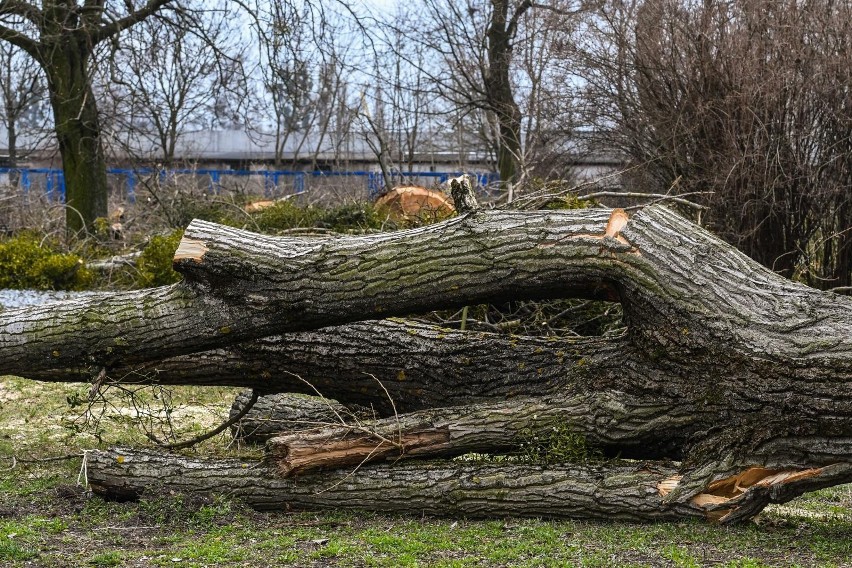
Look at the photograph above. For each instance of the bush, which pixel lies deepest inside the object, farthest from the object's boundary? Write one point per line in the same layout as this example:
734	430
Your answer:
155	263
26	262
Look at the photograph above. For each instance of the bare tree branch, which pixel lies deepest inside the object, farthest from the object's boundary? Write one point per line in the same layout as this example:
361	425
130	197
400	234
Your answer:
109	30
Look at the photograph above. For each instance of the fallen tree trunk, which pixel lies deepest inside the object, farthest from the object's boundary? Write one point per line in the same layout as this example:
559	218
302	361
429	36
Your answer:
724	364
455	488
627	491
495	427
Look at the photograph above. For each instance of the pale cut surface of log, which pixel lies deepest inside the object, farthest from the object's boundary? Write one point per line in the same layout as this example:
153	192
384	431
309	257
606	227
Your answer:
413	202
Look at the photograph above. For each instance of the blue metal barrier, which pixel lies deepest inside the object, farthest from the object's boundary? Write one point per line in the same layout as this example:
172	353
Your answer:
54	179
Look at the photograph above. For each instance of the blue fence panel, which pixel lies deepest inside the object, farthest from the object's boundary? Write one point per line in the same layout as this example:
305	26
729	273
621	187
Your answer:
54	184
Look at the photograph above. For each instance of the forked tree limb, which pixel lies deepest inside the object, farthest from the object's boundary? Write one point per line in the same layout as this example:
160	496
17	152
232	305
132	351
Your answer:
724	364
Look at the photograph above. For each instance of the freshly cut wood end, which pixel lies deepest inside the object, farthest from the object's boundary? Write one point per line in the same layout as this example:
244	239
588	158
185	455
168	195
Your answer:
190	249
256	206
617	220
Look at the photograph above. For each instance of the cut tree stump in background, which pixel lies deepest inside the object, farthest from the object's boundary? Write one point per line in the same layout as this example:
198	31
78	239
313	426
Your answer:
744	376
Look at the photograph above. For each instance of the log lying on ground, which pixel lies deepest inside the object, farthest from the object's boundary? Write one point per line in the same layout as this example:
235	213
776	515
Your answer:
421	366
240	285
628	491
493	427
454	488
738	369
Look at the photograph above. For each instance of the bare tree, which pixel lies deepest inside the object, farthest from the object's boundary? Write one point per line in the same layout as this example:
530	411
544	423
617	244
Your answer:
61	35
169	78
400	73
747	100
287	71
23	90
477	43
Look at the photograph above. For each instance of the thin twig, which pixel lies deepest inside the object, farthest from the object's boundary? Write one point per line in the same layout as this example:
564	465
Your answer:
357	426
206	436
395	413
657	197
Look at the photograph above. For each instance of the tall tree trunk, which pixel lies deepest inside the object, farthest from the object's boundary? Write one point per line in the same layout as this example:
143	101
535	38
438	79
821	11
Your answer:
498	86
78	130
12	125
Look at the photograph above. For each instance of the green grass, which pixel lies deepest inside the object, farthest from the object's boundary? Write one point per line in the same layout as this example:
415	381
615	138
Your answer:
46	520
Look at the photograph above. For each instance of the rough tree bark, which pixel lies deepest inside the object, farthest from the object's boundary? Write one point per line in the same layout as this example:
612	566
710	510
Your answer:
738	372
284	412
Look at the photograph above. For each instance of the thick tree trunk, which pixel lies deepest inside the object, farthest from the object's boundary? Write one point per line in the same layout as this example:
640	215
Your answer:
498	87
725	365
627	491
454	488
78	129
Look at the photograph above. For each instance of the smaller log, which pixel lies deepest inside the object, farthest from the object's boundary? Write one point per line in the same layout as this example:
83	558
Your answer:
483	428
279	413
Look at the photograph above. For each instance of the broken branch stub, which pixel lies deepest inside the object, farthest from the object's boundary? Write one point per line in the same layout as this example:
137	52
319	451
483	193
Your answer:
463	194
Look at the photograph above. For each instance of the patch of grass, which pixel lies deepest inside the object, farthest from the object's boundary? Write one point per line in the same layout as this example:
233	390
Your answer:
680	557
555	443
55	524
111	558
11	551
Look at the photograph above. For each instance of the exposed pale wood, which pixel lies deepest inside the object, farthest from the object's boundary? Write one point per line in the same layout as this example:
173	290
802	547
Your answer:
617	221
190	249
410	202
